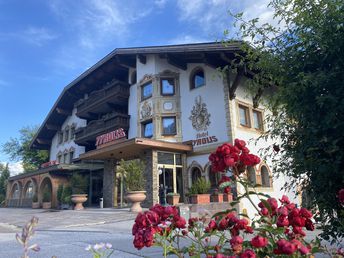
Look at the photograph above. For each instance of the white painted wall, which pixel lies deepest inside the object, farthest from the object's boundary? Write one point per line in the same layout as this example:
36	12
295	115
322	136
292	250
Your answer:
56	147
212	94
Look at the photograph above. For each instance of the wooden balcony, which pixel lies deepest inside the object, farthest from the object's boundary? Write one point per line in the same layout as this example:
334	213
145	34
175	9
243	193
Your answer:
86	136
114	96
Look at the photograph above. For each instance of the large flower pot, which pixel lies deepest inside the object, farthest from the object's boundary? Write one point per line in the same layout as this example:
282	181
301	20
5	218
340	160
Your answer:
200	198
35	205
216	197
46	205
79	199
136	197
173	199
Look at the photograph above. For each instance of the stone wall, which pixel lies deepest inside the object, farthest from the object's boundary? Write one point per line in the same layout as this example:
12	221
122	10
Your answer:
108	182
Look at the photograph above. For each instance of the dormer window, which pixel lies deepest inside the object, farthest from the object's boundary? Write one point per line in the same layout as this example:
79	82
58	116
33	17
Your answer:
197	78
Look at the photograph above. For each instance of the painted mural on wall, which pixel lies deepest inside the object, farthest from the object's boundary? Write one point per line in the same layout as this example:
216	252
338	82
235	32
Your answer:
200	119
146	110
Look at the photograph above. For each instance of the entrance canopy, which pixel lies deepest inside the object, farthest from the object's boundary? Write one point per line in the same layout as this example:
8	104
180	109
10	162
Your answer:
132	148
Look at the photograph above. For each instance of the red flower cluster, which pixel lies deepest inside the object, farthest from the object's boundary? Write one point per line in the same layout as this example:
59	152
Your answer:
289	247
156	220
259	241
228	155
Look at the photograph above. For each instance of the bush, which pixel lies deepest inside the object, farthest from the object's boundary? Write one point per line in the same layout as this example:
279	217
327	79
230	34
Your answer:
59	193
35	198
201	186
66	195
46	195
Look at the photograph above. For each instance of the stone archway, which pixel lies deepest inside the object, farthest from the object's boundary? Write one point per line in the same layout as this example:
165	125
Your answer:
29	190
16	194
45	186
195	171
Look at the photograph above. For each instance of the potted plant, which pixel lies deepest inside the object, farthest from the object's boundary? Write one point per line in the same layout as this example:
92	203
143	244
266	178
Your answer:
66	197
134	180
79	188
35	203
199	191
46	198
173	198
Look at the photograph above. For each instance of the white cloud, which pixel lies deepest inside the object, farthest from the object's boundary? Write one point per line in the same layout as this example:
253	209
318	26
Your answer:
160	3
213	15
185	39
15	168
38	36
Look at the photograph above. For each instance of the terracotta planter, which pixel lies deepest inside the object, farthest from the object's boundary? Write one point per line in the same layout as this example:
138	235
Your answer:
216	197
136	197
227	197
173	199
35	205
200	198
46	205
79	199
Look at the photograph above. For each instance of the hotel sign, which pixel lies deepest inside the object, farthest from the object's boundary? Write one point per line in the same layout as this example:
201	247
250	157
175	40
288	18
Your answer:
110	137
204	138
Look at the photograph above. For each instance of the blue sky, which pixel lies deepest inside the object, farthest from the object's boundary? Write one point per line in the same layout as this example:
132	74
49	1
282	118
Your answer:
45	44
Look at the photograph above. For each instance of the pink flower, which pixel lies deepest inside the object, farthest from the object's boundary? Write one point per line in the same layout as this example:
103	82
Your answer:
248	253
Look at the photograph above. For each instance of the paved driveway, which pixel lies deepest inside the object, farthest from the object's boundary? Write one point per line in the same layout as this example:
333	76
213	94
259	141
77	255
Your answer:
67	233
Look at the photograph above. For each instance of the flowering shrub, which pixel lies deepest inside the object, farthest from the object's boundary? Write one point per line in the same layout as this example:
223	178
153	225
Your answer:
278	230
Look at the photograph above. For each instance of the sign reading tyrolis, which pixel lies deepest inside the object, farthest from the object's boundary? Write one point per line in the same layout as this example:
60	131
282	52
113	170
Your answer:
111	136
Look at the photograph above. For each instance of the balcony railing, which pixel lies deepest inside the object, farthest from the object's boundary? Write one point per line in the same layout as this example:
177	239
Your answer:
115	94
87	135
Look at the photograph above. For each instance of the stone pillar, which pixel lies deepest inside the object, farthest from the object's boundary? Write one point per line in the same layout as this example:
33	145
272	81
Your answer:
185	178
108	182
150	157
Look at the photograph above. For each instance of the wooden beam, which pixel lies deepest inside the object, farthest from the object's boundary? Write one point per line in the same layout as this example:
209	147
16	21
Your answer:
64	112
52	127
208	60
142	59
177	62
126	62
235	84
43	141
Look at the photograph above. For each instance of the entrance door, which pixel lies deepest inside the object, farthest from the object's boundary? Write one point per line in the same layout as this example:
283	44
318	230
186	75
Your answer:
180	187
166	179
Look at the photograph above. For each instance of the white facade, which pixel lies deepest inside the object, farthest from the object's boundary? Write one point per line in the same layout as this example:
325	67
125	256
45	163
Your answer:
69	145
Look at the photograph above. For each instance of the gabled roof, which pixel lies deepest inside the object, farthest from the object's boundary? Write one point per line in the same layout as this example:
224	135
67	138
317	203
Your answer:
116	65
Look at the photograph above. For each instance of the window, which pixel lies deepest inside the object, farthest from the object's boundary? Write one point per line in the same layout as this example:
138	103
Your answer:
195	174
29	190
257	120
197	79
66	135
146	90
60	137
251	175
65	158
147	129
71	156
59	158
72	132
244	116
265	177
167	87
169	126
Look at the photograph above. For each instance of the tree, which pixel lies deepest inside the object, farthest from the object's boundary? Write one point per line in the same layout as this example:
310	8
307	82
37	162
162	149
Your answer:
4	175
302	60
19	149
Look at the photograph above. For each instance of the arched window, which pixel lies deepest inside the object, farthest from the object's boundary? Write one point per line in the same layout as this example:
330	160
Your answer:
265	176
197	78
214	178
195	174
251	175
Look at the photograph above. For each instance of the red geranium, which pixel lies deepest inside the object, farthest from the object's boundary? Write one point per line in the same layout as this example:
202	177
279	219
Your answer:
259	241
